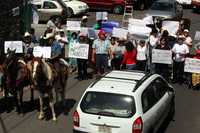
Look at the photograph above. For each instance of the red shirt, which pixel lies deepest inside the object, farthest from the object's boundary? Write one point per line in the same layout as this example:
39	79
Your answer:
129	57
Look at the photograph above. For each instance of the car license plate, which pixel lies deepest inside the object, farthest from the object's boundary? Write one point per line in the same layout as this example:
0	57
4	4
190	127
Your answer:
105	129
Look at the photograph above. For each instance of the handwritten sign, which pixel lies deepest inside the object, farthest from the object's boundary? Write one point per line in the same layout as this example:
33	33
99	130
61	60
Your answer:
73	25
192	65
120	33
79	51
139	30
44	52
101	15
171	26
13	45
197	36
133	21
161	56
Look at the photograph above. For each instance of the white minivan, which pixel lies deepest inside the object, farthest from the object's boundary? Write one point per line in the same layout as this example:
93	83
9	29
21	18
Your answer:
125	102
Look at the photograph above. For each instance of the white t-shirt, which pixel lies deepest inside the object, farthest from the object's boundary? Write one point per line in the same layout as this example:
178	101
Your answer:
180	51
153	40
141	53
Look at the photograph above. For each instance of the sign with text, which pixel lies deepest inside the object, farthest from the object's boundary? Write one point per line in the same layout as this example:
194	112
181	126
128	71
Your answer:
13	45
79	51
120	33
161	56
139	30
171	26
197	36
192	65
73	25
44	52
101	15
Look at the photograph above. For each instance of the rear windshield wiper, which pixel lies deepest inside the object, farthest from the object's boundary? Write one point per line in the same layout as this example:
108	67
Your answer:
106	113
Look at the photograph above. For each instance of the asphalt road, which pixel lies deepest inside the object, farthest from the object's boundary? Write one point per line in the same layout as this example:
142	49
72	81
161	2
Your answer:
186	119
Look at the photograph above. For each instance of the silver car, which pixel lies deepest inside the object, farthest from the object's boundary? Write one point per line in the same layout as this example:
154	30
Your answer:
167	9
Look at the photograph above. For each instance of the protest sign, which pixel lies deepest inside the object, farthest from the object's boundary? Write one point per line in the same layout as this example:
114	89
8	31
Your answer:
13	45
171	26
133	21
139	30
197	36
73	25
79	51
161	56
101	15
44	52
120	33
192	65
148	20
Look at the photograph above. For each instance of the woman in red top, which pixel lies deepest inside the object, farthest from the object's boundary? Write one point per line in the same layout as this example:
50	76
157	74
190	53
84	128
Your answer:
129	58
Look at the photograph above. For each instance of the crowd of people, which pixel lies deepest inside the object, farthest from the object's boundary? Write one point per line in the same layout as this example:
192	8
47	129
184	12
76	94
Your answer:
111	53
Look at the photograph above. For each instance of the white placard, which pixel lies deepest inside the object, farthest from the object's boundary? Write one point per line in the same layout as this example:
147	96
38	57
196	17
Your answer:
44	52
101	15
13	45
192	65
161	56
138	22
139	30
171	26
197	36
148	20
73	25
120	33
79	51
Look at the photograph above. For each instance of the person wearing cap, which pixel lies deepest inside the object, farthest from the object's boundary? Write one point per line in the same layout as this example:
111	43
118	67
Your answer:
188	39
28	46
82	63
84	21
101	50
62	40
180	52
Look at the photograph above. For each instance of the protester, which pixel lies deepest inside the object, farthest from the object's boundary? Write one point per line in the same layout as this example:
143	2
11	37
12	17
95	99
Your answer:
34	38
180	52
84	21
101	51
130	55
28	46
82	63
141	55
188	39
163	69
62	39
117	53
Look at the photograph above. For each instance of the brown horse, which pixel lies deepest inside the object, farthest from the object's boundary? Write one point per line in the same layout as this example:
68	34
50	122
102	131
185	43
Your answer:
17	76
46	78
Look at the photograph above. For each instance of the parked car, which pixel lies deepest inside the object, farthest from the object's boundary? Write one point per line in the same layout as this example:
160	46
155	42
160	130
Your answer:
196	5
124	102
168	9
51	8
184	2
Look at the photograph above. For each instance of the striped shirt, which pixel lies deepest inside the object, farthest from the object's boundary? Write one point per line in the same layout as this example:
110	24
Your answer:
101	46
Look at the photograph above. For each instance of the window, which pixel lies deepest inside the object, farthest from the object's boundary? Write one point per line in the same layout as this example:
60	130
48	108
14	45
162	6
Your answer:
38	6
108	104
153	93
49	5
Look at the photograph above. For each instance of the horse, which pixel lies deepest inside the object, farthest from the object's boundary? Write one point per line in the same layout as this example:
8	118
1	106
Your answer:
17	76
46	79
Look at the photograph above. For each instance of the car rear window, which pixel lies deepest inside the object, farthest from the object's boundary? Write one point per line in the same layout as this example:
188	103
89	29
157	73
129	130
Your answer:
108	104
163	6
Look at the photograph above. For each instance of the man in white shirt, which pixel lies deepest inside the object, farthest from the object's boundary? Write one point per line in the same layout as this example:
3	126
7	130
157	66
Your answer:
180	51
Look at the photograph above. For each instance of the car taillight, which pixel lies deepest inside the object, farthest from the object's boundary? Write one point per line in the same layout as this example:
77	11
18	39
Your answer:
76	119
137	125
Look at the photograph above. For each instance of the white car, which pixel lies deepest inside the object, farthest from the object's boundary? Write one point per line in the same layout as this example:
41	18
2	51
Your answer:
124	102
184	2
76	7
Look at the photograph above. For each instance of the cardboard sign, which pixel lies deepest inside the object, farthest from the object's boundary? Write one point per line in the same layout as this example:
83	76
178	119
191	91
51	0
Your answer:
133	21
192	65
74	25
171	26
79	51
44	52
139	30
161	56
197	36
120	33
101	15
13	45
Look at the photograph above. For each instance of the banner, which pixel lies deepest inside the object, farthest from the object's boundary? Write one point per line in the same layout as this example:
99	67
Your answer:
197	36
161	56
44	52
79	51
171	26
120	33
13	45
73	25
192	65
101	15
